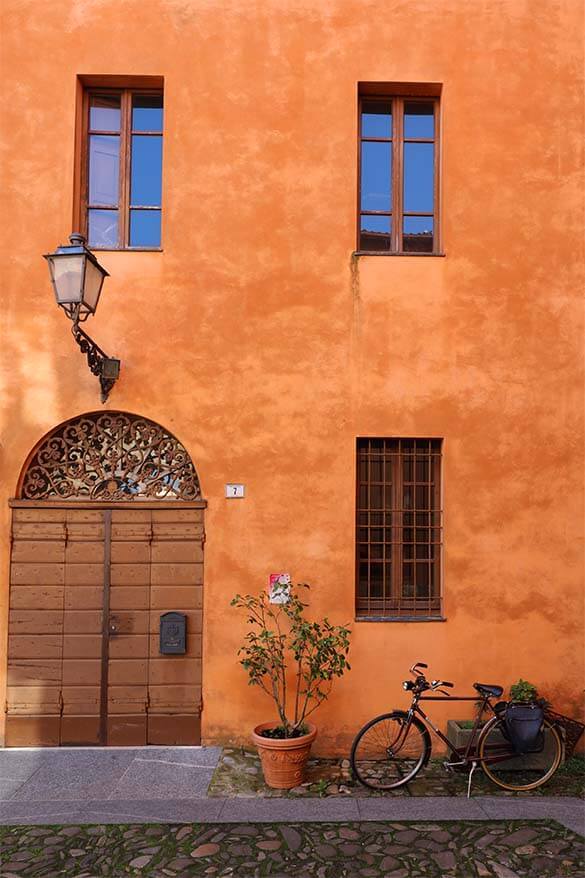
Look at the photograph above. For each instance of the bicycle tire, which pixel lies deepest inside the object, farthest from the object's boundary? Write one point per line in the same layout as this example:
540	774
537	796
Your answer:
521	771
377	735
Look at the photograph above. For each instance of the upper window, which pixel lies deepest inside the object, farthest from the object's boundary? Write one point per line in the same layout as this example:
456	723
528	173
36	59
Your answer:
122	168
398	180
399	528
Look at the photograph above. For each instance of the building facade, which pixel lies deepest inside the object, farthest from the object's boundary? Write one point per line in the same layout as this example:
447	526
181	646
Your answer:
344	245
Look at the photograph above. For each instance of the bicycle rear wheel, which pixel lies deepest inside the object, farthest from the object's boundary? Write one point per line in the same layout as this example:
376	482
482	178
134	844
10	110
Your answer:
514	771
389	751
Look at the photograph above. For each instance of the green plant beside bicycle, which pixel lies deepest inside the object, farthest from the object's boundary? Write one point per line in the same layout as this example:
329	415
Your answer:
519	746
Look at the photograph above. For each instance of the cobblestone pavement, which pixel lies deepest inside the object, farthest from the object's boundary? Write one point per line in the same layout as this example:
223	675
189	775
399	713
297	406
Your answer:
503	849
239	774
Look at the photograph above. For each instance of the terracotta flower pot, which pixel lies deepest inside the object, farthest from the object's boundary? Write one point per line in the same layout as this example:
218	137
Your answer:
283	759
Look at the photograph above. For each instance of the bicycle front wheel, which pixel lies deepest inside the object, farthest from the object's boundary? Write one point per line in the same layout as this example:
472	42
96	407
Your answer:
389	751
514	771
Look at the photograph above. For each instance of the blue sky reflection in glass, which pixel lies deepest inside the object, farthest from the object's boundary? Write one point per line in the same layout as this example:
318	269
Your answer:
376	182
377	119
146	173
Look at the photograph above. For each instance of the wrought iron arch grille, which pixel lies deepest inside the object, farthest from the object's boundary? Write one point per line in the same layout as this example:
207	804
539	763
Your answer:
111	456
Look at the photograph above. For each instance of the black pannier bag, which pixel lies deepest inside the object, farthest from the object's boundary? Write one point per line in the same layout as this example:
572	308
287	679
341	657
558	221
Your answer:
525	727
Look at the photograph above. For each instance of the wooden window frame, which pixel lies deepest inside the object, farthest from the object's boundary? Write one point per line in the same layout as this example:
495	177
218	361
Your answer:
125	134
398	140
393	604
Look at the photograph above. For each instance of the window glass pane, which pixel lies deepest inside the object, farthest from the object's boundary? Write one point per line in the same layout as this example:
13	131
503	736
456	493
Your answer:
418	234
103	228
104	112
418	177
147	112
146	173
104	169
376	119
375	232
376	176
419	119
145	228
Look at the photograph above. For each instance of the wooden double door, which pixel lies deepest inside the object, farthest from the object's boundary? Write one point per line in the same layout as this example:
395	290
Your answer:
88	588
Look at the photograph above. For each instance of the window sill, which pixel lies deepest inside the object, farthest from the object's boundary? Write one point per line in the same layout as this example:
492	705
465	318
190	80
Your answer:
401	253
400	618
126	249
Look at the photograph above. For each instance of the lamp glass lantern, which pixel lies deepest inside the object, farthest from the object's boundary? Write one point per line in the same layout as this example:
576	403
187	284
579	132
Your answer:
77	278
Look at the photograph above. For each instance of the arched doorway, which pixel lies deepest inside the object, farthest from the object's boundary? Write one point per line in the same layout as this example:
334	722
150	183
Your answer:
108	537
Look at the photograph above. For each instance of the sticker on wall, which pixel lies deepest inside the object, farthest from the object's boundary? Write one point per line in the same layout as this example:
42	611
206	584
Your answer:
279	588
234	491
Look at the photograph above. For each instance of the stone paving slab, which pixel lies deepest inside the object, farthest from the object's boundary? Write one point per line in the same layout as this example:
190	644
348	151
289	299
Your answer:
488	849
568	812
88	773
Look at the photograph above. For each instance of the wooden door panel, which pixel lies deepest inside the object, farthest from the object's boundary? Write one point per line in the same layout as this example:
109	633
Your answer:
34	672
33	731
172	670
130	621
177	574
137	531
130	574
128	646
81	701
82	646
83	622
130	699
85	574
36	597
172	530
80	731
132	597
153	563
174	699
32	646
33	699
84	597
128	672
39	551
37	574
178	731
85	552
130	552
127	731
82	672
190	597
175	551
33	622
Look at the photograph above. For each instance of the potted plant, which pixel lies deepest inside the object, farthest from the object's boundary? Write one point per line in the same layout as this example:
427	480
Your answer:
294	661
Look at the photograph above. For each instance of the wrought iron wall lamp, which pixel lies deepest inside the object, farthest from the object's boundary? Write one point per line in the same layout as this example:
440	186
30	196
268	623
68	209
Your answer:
77	279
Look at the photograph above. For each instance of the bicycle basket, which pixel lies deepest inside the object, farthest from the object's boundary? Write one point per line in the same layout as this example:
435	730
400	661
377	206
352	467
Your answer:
571	729
524	724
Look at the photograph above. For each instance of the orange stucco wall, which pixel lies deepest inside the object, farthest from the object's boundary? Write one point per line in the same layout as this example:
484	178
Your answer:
257	339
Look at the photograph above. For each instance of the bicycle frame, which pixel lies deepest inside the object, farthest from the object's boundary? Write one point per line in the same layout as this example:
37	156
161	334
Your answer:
465	755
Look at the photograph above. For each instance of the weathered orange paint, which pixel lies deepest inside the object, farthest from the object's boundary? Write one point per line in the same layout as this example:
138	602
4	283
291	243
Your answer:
260	342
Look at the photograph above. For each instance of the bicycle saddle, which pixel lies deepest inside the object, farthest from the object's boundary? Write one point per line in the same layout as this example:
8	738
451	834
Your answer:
486	689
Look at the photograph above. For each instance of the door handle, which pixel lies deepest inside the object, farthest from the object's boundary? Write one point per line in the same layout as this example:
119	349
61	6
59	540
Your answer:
113	628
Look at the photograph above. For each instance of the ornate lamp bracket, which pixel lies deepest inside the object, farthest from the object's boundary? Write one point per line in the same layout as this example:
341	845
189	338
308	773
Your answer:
106	368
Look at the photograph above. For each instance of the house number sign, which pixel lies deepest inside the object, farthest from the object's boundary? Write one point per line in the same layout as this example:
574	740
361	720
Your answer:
233	491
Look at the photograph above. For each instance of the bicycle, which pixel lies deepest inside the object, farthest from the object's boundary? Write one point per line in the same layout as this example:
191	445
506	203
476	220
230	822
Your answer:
391	749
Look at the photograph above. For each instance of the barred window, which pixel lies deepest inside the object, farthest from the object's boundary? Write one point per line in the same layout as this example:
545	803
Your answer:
399	529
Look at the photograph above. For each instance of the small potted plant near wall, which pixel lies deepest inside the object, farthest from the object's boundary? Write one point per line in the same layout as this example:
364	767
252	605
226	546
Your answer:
294	661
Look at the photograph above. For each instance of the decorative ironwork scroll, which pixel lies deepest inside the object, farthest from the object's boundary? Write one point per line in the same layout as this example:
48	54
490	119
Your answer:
111	456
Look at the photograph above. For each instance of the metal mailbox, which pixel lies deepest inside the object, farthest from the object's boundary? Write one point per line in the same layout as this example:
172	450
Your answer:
173	634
